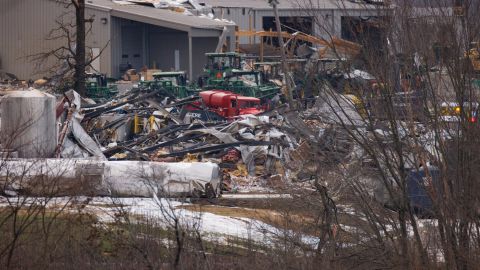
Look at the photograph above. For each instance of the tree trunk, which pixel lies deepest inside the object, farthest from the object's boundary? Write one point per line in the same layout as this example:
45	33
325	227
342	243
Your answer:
285	69
79	76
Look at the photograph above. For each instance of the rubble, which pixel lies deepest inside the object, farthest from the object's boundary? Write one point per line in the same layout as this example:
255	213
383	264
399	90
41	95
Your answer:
140	126
144	128
186	7
148	120
84	139
252	143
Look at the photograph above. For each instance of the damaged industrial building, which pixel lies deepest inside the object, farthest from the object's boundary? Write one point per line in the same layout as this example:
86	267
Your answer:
128	35
187	82
187	134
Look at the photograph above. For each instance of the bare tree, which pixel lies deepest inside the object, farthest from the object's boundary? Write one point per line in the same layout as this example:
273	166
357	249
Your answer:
400	137
80	55
71	58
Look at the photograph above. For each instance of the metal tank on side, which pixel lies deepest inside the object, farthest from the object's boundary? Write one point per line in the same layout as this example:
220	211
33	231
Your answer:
28	123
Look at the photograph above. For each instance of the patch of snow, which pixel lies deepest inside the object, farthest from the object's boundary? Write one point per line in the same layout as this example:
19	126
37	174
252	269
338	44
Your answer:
209	224
256	196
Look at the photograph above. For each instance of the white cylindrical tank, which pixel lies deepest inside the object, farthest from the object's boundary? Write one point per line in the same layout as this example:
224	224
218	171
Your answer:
28	123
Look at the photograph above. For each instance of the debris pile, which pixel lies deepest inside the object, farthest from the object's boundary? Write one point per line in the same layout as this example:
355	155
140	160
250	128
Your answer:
255	152
186	7
251	150
267	151
232	119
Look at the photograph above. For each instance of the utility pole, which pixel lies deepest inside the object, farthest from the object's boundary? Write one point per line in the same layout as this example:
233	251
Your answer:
285	70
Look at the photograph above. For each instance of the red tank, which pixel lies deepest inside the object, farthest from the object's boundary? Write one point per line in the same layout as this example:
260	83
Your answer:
228	104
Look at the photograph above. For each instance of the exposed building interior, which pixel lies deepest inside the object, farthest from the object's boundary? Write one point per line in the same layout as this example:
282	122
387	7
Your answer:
145	45
367	31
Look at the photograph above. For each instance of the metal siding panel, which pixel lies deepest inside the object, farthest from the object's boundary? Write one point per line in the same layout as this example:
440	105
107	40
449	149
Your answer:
163	52
116	45
99	38
25	25
201	46
3	36
236	15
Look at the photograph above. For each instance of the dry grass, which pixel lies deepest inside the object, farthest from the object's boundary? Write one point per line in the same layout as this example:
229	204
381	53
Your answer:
271	217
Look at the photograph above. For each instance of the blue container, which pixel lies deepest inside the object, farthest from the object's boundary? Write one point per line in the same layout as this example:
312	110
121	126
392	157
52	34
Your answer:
418	185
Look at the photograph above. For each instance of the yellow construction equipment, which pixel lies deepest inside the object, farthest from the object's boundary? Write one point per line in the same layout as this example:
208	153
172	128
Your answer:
338	45
137	124
474	55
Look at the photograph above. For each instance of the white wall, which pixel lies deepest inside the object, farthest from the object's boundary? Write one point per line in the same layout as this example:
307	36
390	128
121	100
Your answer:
24	26
99	37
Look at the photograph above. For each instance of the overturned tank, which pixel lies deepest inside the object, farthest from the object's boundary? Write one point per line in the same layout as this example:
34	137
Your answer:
28	124
62	177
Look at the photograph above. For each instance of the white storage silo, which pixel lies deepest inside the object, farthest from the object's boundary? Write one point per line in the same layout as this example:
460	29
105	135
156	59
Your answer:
28	123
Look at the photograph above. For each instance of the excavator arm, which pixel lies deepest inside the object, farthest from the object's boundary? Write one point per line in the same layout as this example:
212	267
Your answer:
338	45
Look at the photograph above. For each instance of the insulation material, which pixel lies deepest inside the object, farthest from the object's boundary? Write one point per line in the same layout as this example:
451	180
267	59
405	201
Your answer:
72	150
85	140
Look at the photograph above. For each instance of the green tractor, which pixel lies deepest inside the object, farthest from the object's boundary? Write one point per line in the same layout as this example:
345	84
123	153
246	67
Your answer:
174	82
249	83
98	87
218	66
272	70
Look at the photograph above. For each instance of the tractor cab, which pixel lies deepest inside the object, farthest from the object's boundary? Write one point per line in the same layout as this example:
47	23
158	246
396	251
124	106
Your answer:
175	78
175	83
98	87
251	84
271	70
220	64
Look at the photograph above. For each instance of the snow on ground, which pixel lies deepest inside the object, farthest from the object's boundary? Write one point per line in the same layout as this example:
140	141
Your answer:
256	196
211	226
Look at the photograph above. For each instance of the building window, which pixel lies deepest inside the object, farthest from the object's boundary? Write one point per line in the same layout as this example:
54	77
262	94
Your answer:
228	11
243	11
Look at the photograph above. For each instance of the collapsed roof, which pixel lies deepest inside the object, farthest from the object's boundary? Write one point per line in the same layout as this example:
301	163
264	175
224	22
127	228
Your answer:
181	15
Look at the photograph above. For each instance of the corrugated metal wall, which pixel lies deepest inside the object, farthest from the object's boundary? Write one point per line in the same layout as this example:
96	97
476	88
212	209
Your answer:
100	37
328	21
116	45
25	24
163	43
247	18
23	29
284	13
201	46
244	18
